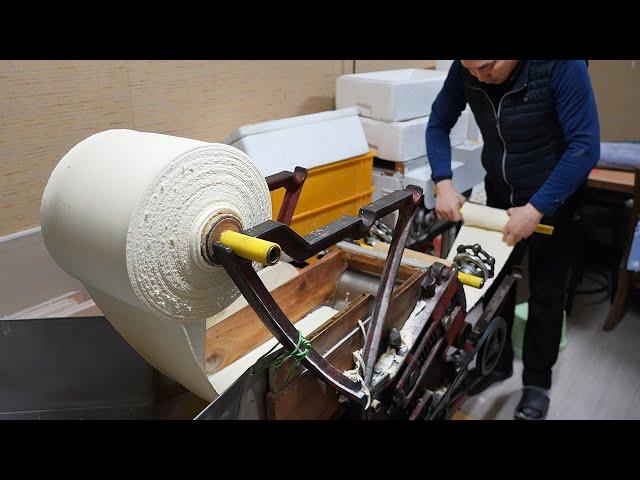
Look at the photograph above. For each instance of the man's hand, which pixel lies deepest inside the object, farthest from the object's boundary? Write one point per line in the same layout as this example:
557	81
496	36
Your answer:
448	201
522	223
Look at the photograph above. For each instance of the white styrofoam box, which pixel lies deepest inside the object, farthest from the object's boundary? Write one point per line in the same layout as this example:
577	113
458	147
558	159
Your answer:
466	166
460	131
421	176
390	95
467	151
469	154
473	131
414	164
479	195
443	65
307	141
466	128
404	141
384	184
465	177
397	141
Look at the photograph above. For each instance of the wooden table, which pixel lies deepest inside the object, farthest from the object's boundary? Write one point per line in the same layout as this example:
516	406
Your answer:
625	182
461	416
612	180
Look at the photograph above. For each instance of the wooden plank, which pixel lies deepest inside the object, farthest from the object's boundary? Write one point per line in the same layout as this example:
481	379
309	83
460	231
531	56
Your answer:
414	255
341	325
612	180
366	263
460	416
243	331
329	335
308	398
324	339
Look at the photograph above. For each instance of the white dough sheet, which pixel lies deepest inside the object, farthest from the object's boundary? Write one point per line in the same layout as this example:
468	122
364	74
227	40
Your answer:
124	212
482	225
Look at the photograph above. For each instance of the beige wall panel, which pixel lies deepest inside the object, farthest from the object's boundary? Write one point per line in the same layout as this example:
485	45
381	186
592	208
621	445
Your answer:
207	100
378	65
46	107
347	67
616	84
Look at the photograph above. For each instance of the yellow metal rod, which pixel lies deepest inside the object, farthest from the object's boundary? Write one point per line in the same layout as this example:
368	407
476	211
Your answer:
544	229
251	248
470	280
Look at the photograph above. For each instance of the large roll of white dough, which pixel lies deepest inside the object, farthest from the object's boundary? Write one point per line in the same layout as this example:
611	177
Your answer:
124	212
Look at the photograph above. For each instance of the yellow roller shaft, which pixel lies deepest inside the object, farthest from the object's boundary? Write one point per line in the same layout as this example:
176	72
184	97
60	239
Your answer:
470	280
251	248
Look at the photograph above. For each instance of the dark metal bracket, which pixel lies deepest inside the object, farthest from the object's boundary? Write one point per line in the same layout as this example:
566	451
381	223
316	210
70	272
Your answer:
293	183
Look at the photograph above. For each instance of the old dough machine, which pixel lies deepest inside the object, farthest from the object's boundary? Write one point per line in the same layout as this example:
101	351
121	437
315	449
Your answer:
401	349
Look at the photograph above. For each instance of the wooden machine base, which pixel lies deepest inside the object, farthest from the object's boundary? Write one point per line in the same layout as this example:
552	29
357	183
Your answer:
304	396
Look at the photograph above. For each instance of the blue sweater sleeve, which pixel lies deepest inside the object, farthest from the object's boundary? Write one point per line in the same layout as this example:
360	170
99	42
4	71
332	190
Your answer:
578	116
445	111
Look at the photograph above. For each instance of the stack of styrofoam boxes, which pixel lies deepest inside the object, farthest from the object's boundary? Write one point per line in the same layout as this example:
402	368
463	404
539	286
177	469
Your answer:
394	108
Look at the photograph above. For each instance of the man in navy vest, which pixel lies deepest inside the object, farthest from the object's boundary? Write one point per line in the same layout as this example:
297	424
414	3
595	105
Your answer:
539	123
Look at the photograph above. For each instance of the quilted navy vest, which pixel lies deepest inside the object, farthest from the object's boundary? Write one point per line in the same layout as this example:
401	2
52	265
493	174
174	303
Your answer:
523	139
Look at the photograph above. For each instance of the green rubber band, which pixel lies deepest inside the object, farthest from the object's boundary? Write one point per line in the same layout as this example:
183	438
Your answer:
300	352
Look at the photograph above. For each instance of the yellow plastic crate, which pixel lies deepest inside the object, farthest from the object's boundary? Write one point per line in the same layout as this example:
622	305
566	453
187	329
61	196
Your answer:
329	192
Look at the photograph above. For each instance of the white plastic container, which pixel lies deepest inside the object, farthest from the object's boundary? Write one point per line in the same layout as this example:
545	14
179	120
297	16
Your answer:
308	140
390	95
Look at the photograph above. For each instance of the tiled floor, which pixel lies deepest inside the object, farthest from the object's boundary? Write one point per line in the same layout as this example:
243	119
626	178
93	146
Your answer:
597	375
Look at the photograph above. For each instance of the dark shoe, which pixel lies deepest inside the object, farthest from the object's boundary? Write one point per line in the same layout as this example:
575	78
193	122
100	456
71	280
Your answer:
533	405
494	377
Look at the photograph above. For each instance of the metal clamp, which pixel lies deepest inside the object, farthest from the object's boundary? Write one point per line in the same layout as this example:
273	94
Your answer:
473	260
